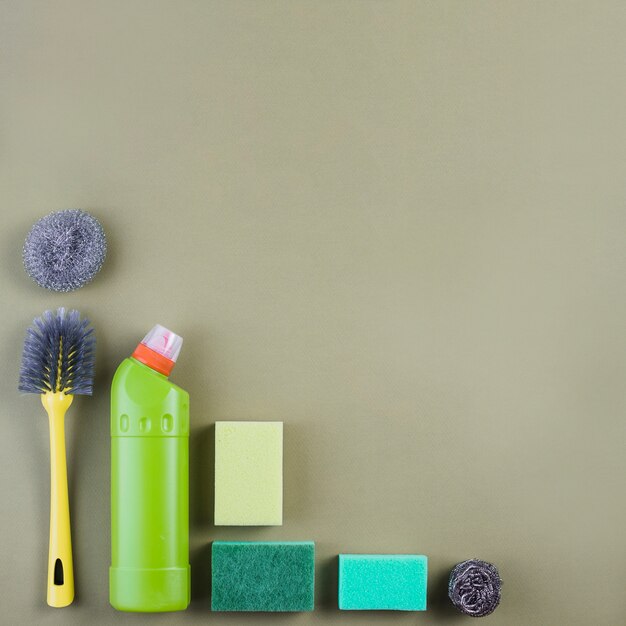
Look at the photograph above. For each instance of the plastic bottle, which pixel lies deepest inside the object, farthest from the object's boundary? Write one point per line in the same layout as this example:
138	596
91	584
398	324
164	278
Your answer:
150	480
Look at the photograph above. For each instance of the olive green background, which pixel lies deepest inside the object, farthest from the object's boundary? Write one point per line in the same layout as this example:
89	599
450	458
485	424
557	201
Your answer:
396	226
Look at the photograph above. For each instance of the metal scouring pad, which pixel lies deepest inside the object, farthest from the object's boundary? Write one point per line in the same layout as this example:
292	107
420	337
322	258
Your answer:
65	250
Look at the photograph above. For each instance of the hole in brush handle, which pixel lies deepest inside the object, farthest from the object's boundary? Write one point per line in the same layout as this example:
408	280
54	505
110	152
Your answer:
58	572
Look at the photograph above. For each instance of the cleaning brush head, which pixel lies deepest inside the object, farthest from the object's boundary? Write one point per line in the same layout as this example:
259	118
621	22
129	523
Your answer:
58	355
65	250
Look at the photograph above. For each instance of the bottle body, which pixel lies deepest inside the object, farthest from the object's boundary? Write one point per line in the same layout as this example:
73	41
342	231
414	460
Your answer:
149	491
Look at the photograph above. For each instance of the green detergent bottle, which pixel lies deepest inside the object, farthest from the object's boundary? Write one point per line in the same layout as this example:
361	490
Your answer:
150	480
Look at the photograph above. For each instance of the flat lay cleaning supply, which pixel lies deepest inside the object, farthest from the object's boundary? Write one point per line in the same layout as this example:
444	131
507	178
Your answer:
263	576
58	362
395	582
248	473
475	587
65	250
149	480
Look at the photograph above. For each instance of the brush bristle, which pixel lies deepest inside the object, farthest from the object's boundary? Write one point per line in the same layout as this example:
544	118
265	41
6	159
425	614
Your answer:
58	354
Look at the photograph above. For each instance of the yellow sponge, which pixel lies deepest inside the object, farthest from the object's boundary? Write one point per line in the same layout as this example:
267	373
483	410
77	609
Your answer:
248	473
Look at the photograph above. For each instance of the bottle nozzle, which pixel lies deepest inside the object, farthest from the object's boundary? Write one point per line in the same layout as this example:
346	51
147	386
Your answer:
159	349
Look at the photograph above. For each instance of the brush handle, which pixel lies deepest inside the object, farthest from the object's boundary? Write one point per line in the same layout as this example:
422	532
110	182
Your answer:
60	567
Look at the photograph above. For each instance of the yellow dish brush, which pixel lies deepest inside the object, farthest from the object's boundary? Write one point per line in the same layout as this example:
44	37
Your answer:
57	362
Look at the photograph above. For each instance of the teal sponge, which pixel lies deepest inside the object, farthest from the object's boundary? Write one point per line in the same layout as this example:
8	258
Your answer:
382	582
263	576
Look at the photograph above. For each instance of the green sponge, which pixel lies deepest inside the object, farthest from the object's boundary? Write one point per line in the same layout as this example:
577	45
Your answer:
263	575
248	473
382	582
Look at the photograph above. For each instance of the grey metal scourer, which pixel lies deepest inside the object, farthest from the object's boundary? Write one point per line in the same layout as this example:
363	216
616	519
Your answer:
65	250
474	587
